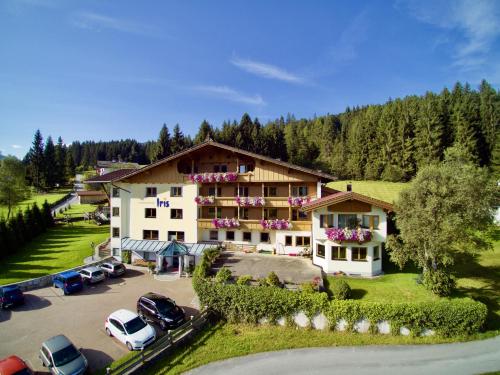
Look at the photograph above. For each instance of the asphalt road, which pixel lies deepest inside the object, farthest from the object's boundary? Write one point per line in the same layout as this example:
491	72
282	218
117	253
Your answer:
462	358
81	316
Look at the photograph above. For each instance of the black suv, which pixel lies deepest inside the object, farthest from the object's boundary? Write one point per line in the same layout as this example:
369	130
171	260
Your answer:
160	309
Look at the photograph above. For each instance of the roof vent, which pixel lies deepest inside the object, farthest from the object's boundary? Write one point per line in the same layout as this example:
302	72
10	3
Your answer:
349	187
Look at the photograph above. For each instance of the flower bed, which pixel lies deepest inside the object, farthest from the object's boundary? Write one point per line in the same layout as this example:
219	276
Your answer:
279	224
345	234
226	223
298	201
213	177
205	200
250	202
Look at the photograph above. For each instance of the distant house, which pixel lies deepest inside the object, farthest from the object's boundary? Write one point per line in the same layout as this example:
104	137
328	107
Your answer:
91	196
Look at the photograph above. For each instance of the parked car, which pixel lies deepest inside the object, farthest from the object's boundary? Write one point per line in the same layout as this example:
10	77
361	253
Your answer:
113	268
14	365
130	329
161	310
61	357
92	275
69	282
11	296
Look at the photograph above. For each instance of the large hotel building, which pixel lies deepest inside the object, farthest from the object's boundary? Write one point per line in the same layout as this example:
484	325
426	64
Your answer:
214	192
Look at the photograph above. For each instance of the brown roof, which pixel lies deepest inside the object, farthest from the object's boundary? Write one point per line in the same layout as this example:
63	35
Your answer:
326	176
109	177
343	196
90	193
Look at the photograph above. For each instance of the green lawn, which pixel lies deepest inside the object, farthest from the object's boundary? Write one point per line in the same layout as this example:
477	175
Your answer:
383	190
58	249
38	198
77	210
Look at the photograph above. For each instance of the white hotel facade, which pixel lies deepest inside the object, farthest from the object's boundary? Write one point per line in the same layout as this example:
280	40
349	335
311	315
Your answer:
214	192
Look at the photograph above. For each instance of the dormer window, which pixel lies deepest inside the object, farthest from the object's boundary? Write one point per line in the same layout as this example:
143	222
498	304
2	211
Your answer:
245	168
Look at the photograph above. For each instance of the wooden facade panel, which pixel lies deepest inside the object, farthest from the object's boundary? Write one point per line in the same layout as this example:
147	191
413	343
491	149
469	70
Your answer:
254	213
229	212
265	171
162	174
350	206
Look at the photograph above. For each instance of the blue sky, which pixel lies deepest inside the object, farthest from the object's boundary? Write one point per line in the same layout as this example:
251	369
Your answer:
120	69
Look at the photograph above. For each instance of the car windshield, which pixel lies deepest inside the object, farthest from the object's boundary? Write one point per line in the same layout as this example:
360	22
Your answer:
73	279
65	355
134	325
96	273
164	306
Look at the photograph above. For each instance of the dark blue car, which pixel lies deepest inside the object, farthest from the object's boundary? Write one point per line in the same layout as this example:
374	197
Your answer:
10	296
69	282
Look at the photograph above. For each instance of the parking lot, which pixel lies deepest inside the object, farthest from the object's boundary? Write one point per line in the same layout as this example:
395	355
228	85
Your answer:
81	316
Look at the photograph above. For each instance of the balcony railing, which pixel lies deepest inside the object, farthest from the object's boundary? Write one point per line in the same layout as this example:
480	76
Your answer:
210	199
250	202
338	235
204	178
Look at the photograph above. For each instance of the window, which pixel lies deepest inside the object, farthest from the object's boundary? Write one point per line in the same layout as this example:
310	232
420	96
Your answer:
270	213
247	236
116	192
264	237
358	254
149	234
116	211
214	235
326	221
230	235
298	215
173	235
302	241
348	221
220	168
288	241
176	191
116	232
116	251
150	192
320	250
214	213
213	191
243	213
376	253
244	168
176	213
339	253
150	213
370	221
270	191
242	192
299	191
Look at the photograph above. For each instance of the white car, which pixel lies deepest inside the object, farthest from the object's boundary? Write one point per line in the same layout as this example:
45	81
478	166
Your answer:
92	275
130	328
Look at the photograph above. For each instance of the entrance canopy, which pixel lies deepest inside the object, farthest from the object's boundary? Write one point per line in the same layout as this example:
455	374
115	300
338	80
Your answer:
166	248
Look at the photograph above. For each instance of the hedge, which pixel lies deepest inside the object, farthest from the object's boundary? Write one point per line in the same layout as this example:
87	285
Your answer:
241	303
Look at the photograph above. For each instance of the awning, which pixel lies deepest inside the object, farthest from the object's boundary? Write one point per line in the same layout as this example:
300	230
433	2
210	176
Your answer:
173	248
150	246
166	248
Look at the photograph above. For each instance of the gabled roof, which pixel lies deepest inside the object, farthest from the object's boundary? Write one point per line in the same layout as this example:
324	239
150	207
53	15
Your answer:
109	177
210	142
343	196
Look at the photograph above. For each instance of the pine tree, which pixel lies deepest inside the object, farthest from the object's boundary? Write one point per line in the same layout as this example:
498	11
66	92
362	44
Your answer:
35	161
178	142
69	167
38	218
162	149
48	219
60	158
50	164
204	132
244	138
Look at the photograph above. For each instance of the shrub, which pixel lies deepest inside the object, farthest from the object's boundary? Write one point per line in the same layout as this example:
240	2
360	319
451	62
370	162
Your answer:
244	280
151	266
273	279
223	275
262	281
308	287
439	282
340	289
126	256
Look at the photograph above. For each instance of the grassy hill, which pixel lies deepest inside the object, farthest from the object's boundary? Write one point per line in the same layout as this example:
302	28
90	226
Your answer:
383	190
38	198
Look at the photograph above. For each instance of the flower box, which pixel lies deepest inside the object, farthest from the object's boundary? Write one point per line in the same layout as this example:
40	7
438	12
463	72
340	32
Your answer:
298	201
226	223
205	200
348	235
250	202
276	224
213	177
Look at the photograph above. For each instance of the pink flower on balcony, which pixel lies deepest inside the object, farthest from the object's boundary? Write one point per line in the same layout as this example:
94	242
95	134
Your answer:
213	177
225	223
250	202
298	201
344	234
276	224
230	176
205	200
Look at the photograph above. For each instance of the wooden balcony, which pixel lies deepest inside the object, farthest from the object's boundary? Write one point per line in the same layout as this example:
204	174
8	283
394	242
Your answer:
255	225
269	202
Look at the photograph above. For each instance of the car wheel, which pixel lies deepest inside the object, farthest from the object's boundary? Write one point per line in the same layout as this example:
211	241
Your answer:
109	332
163	325
129	346
66	293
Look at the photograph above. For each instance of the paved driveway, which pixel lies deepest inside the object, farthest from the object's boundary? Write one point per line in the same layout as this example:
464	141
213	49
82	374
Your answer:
81	316
291	269
455	359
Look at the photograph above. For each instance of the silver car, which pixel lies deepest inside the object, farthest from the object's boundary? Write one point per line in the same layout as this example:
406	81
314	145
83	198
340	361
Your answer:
92	275
61	357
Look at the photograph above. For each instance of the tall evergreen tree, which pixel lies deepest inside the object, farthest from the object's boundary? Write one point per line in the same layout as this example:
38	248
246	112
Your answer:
69	166
178	142
204	132
35	161
162	149
60	159
49	164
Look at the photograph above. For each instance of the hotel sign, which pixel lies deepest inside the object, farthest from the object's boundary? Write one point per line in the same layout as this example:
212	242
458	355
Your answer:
162	203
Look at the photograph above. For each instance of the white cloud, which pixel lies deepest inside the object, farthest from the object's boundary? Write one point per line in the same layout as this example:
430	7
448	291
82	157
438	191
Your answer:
97	22
16	146
228	93
346	48
477	20
266	70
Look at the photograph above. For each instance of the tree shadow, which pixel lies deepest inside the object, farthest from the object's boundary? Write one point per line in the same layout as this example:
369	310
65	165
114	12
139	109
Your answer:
358	293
